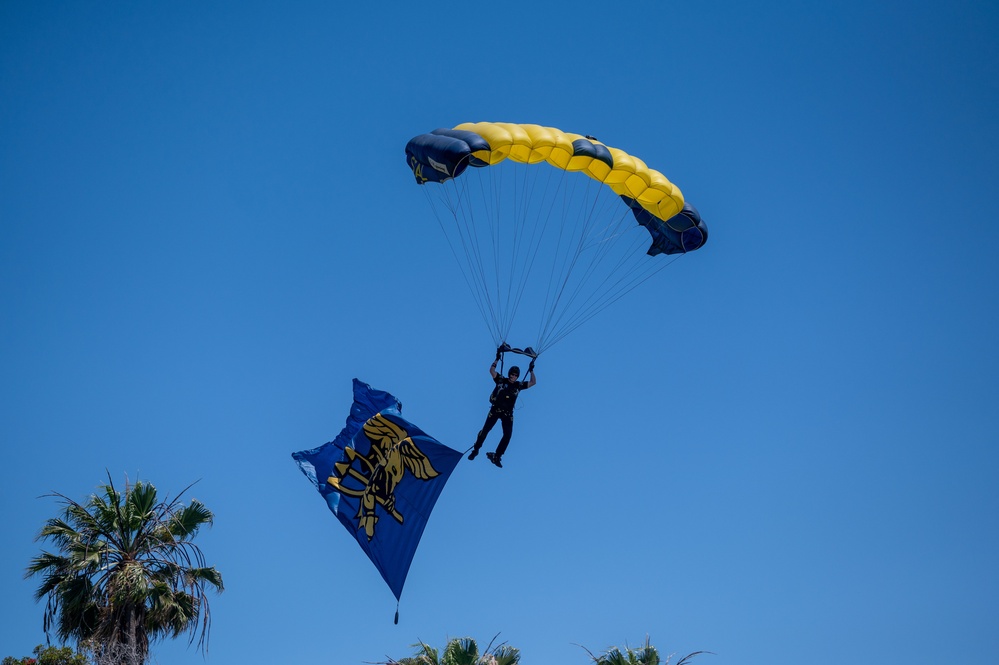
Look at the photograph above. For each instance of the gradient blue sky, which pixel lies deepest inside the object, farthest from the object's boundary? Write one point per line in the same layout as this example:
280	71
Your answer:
781	450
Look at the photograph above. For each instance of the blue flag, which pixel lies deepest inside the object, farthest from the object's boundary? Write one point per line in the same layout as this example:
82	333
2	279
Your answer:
381	477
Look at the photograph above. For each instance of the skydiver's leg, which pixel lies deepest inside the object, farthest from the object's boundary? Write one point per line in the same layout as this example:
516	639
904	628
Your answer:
488	425
507	421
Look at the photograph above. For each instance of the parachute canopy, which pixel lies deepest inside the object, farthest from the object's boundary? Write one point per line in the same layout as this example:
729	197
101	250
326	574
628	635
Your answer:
538	235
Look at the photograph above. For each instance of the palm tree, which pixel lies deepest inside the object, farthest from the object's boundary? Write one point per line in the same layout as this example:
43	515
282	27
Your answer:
461	651
125	573
644	655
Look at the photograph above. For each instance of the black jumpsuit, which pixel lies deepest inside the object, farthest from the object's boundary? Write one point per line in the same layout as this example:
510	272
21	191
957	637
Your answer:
504	398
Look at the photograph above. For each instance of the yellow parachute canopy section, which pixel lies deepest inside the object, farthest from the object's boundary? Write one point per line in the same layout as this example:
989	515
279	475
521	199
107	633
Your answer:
625	174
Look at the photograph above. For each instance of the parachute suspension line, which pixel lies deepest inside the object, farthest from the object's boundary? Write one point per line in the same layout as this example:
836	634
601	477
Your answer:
582	317
539	220
514	270
588	217
485	228
489	231
610	290
445	203
517	225
558	265
600	252
453	206
494	303
573	249
490	192
625	273
463	219
493	219
497	287
522	192
491	299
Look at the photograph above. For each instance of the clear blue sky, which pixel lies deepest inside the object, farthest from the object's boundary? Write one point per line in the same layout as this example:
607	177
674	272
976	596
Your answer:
781	450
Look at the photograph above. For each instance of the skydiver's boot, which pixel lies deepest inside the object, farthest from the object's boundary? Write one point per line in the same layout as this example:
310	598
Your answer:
475	451
495	459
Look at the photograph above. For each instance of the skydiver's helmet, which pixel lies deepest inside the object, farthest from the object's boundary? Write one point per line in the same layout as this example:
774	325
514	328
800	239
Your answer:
514	371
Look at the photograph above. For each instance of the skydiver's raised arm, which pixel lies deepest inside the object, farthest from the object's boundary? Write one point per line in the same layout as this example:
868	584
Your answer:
533	379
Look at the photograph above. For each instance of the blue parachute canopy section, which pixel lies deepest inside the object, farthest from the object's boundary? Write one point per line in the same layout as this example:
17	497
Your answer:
381	477
683	232
444	154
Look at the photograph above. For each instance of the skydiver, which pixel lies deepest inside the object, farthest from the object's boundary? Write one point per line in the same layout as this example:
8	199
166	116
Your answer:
503	399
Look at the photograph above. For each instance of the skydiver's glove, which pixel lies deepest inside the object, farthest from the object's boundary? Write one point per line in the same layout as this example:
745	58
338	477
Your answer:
499	354
530	368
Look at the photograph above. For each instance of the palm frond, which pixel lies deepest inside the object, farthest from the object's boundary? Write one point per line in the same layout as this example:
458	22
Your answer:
202	575
506	655
461	651
426	655
644	655
685	659
186	522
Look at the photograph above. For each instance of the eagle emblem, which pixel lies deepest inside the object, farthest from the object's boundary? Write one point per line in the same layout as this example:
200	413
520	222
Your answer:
379	472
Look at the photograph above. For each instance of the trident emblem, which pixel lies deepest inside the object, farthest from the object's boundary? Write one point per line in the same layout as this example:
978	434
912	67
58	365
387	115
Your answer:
392	453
